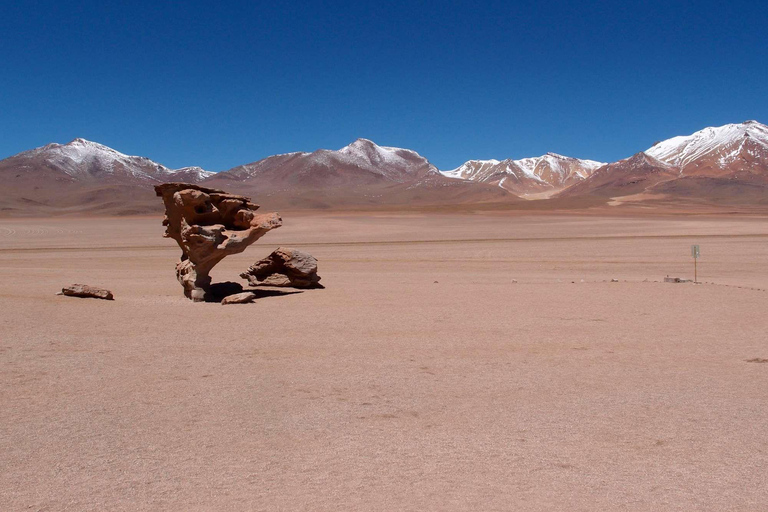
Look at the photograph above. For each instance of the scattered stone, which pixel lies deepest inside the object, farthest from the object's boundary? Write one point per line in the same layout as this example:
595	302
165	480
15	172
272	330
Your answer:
614	280
284	267
514	281
208	225
239	298
83	290
676	280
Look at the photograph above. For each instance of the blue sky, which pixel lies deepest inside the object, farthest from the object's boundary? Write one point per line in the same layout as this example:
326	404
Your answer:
218	84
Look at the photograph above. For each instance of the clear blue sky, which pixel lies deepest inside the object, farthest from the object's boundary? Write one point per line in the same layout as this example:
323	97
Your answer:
218	84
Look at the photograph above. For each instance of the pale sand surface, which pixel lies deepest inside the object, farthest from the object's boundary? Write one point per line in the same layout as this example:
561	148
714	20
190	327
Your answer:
388	390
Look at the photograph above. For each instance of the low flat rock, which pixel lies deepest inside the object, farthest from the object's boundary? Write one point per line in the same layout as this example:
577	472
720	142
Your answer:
239	298
85	291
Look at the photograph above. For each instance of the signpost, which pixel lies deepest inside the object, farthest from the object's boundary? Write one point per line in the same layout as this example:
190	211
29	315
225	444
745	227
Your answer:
696	254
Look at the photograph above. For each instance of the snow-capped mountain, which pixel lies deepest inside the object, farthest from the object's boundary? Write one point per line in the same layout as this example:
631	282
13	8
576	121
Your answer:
726	164
189	174
84	176
85	161
360	174
717	151
550	172
362	162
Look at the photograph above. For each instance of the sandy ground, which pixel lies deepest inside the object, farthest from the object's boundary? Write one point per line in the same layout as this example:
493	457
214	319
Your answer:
469	362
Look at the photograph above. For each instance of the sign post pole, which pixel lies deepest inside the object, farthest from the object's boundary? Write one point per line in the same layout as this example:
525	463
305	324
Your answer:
695	253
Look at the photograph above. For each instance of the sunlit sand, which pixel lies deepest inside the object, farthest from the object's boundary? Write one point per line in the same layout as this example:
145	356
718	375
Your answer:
453	362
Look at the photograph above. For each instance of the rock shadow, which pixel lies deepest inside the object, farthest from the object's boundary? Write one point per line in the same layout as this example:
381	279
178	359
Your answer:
219	291
260	293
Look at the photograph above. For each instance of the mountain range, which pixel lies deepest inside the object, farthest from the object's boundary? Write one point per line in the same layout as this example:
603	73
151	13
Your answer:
726	165
723	165
529	177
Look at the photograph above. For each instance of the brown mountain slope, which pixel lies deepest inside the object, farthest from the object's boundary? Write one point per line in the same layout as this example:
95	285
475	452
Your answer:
362	174
360	163
630	176
735	190
432	190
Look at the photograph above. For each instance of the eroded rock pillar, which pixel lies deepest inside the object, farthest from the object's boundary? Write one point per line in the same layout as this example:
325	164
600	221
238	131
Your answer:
208	225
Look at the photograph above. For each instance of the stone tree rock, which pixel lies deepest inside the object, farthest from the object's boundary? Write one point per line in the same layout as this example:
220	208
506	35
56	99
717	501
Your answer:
208	225
284	267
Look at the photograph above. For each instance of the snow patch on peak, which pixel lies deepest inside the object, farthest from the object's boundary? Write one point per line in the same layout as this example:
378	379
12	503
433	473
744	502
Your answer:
362	142
368	147
388	161
82	159
193	174
723	142
470	169
549	171
84	142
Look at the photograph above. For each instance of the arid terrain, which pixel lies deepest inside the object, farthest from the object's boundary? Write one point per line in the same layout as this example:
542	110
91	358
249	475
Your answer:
453	362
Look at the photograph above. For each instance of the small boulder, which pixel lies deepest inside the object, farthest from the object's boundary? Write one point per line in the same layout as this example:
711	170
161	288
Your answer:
83	290
676	280
285	267
239	298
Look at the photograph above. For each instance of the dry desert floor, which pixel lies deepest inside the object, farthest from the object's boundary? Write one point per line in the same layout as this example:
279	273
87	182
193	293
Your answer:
453	362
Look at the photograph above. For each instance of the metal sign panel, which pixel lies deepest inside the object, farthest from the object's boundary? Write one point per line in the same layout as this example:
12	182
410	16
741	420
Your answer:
695	251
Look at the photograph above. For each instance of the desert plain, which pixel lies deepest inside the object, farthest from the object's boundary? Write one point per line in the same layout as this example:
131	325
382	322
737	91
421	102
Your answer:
474	361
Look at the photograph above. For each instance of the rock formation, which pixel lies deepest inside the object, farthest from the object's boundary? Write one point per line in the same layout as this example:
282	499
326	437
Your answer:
284	267
239	298
208	225
83	290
